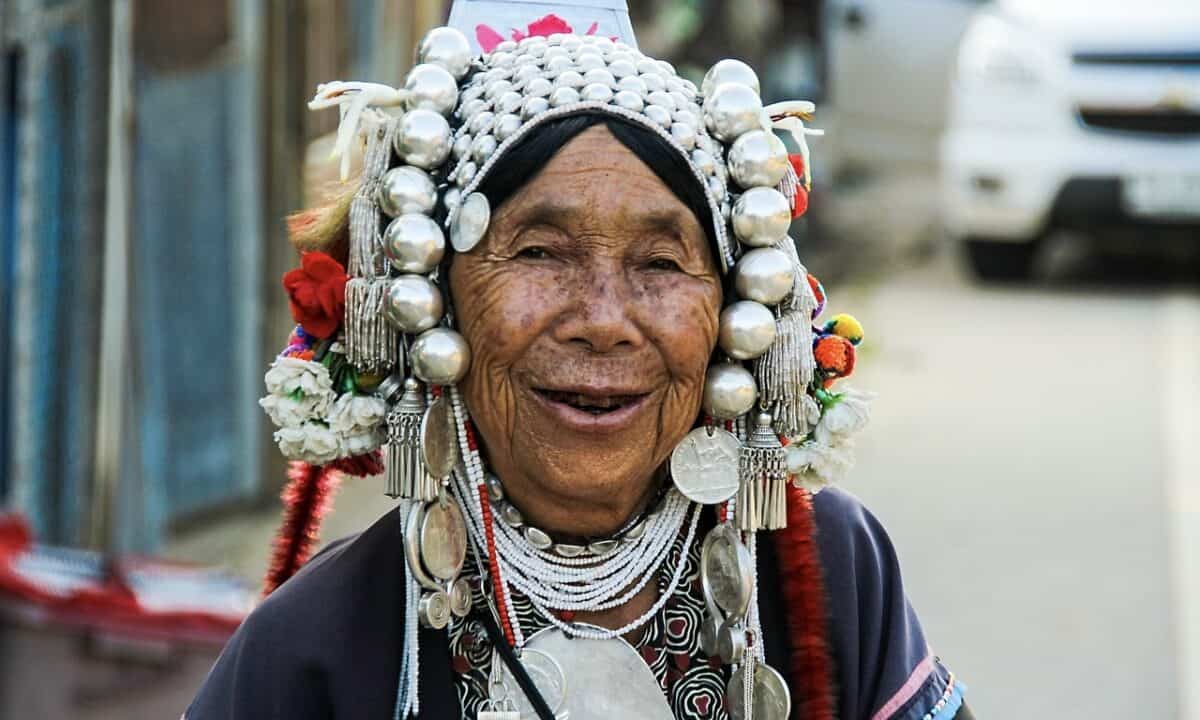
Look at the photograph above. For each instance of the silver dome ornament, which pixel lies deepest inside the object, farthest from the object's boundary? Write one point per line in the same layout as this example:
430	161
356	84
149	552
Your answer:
732	110
569	79
704	161
662	99
622	68
684	134
447	47
764	275
505	46
431	87
451	199
559	64
596	92
505	126
423	138
591	61
495	88
729	391
462	146
600	75
440	356
509	102
482	148
466	172
654	83
564	96
729	71
633	84
526	74
533	107
406	190
629	100
761	217
413	304
747	330
414	243
539	87
659	115
471	107
469	224
758	159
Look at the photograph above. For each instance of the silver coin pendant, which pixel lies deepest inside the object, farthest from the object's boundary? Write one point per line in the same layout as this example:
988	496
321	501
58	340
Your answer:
438	439
704	465
771	697
727	571
443	539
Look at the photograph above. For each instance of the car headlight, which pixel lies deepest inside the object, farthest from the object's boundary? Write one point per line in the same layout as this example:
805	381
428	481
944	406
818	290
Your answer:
997	52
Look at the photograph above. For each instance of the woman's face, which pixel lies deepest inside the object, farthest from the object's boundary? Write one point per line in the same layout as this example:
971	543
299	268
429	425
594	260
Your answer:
591	310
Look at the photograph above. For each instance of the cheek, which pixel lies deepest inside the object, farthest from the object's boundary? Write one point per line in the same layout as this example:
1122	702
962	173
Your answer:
683	315
501	310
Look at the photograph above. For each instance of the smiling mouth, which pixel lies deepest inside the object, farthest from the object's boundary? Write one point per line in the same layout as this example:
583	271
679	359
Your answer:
591	404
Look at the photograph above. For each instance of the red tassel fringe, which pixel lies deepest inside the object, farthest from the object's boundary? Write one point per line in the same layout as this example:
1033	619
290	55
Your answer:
804	591
306	499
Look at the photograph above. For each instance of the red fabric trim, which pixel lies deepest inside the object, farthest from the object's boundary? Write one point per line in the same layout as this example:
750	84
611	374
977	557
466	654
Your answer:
306	499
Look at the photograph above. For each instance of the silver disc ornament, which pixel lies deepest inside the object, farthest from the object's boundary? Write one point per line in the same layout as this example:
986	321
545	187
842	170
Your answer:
470	223
460	597
433	610
439	441
413	526
443	539
727	571
772	699
544	670
731	642
704	465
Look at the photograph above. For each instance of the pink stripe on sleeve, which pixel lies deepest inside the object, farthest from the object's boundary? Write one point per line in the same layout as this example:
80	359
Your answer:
906	691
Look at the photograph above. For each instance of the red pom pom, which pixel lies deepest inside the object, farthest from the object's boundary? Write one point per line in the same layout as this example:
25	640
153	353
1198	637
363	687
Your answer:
317	293
799	203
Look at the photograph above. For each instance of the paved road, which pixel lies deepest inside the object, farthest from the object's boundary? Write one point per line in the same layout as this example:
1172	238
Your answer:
1026	453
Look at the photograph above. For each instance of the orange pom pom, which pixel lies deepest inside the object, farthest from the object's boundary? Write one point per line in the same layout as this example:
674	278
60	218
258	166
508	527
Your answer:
835	355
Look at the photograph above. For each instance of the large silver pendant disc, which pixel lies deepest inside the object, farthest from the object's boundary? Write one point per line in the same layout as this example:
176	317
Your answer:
412	547
439	440
470	222
727	571
772	699
443	539
704	465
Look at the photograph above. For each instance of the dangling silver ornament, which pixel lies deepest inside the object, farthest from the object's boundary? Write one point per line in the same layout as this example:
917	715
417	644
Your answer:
470	223
704	465
762	496
439	440
423	138
727	571
758	159
770	695
460	597
431	87
732	110
414	243
747	329
729	391
729	71
440	356
406	190
434	609
447	47
413	304
764	275
443	539
404	465
761	217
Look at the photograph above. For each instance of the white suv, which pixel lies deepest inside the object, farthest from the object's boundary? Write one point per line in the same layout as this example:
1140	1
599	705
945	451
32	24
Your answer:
1080	114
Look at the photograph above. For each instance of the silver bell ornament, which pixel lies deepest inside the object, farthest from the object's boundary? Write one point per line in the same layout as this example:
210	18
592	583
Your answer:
423	138
431	87
414	243
761	217
413	304
406	190
729	71
440	356
758	159
447	47
764	275
732	110
747	330
729	391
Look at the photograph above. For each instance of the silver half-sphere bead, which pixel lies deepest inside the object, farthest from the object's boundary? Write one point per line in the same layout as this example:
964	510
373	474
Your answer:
729	391
423	138
684	134
539	87
414	243
629	100
732	110
440	356
747	330
431	87
758	159
564	96
596	92
448	47
533	107
761	217
764	275
406	190
729	70
413	304
659	115
451	199
506	125
654	83
470	223
482	148
633	84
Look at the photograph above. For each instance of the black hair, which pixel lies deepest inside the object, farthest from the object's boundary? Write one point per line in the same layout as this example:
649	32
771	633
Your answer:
531	153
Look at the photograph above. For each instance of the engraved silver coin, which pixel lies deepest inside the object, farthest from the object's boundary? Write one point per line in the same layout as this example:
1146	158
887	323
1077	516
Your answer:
412	547
434	609
547	676
460	597
772	700
704	465
470	223
727	571
439	441
443	539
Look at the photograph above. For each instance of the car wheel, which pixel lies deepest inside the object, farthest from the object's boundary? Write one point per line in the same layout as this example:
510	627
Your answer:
1000	259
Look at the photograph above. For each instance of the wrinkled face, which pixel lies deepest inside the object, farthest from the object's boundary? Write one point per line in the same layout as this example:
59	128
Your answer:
591	310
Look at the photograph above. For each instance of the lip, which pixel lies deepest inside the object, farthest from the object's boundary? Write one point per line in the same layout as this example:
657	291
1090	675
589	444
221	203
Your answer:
585	422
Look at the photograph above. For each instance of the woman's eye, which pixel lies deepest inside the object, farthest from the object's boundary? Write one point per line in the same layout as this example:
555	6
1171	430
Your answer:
534	252
664	263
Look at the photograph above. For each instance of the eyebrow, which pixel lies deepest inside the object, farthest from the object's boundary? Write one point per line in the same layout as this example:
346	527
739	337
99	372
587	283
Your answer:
550	210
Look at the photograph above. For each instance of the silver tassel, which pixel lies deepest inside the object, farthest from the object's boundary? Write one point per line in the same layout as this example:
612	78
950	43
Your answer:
404	462
372	344
762	480
786	369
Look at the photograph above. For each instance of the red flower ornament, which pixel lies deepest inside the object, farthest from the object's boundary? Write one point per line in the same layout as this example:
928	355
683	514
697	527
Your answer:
545	26
317	294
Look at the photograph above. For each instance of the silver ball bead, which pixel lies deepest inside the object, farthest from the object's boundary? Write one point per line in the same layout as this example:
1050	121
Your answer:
629	100
729	70
469	108
758	159
761	217
597	92
764	275
406	190
747	330
729	391
564	96
462	146
413	304
634	85
414	243
431	87
684	134
440	357
451	198
495	88
539	87
659	115
622	68
423	139
505	126
533	107
482	148
733	110
447	47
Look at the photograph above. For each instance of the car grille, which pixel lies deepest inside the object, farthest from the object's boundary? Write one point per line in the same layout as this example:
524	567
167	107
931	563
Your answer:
1145	122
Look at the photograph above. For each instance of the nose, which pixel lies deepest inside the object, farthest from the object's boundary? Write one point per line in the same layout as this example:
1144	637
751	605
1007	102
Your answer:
602	314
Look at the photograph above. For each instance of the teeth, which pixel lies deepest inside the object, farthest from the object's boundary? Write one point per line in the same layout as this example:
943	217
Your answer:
588	403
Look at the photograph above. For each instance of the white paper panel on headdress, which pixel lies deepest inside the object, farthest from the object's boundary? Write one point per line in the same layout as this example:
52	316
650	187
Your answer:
487	22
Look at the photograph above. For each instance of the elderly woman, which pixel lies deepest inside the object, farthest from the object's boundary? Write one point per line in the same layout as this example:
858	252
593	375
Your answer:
602	413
